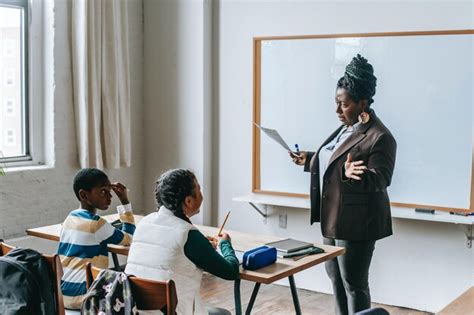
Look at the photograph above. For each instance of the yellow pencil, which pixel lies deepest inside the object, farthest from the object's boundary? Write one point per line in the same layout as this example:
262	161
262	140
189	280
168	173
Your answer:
222	226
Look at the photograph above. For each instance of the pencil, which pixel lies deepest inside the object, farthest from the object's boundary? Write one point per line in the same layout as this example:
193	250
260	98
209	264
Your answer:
223	223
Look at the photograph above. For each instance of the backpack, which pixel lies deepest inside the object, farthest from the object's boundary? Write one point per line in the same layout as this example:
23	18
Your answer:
26	285
109	294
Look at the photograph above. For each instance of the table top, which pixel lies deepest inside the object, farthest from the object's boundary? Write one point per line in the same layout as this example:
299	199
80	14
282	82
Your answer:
52	232
240	241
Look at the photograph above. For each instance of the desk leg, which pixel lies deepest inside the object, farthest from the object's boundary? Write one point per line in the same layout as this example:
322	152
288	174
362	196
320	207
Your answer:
252	298
116	262
294	294
238	304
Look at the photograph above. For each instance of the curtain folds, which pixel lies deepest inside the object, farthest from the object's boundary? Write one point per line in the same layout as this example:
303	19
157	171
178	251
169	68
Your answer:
100	70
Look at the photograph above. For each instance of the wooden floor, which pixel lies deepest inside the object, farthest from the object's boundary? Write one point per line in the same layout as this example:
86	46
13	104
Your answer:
462	305
275	299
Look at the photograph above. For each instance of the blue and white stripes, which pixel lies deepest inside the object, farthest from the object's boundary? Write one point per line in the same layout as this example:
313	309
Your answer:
84	238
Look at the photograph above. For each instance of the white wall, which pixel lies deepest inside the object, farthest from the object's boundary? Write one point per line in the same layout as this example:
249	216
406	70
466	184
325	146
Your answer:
177	93
31	198
424	265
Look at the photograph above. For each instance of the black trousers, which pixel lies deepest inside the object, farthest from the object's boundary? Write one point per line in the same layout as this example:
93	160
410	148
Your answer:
349	275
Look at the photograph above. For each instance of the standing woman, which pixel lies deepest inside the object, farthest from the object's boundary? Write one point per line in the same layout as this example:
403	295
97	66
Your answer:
350	174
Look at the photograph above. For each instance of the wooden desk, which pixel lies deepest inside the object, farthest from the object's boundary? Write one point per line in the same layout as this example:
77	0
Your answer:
241	242
52	232
281	269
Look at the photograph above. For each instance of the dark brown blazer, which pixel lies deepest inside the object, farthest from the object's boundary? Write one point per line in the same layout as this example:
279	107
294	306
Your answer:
349	209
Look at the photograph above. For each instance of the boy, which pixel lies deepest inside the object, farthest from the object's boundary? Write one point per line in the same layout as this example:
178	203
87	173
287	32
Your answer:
85	235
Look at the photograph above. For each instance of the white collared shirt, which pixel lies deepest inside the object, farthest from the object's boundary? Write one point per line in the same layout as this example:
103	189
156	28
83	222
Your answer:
328	150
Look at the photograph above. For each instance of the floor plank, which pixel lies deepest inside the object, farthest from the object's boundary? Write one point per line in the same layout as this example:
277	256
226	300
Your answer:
462	305
276	300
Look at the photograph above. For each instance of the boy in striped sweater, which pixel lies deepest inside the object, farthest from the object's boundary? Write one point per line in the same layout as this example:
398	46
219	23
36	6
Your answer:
85	235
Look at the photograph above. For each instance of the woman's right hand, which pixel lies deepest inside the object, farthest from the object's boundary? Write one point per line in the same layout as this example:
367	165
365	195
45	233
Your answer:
224	236
298	158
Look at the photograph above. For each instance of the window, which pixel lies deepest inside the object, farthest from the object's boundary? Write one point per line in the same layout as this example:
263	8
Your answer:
9	78
8	50
10	137
9	107
14	89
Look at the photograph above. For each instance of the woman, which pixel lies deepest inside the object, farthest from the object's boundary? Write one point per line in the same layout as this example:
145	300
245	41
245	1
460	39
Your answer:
350	174
167	246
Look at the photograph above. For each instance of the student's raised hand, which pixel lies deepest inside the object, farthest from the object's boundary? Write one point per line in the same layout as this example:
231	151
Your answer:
121	192
298	158
354	168
214	241
224	236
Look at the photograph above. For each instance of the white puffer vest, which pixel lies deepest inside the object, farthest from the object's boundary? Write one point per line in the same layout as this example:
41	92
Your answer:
157	253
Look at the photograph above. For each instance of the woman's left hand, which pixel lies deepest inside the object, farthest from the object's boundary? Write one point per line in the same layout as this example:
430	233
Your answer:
354	168
214	241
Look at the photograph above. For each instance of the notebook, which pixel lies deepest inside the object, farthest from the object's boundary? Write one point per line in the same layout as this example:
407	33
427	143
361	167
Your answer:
301	253
289	245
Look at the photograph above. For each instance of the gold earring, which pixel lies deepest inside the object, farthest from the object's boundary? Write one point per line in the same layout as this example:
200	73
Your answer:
364	117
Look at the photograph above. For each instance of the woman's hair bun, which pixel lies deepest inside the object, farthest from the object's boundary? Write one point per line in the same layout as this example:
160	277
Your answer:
360	69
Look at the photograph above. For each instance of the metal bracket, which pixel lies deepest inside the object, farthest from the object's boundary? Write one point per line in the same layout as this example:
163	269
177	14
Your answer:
262	213
469	237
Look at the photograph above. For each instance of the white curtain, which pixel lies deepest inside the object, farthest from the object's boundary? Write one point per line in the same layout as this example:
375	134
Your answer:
100	56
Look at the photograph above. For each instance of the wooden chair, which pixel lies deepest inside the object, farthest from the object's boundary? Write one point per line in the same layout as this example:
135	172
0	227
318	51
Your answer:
57	269
148	294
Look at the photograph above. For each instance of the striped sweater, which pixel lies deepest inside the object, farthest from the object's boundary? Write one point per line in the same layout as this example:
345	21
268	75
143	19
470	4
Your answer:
84	238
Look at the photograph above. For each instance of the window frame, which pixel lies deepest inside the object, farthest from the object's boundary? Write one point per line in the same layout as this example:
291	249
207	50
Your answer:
31	71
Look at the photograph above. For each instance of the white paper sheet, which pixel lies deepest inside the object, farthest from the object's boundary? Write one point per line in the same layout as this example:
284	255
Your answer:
273	134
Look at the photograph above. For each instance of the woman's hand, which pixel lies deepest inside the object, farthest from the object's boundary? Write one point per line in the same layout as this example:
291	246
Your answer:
224	236
121	192
214	241
298	158
353	169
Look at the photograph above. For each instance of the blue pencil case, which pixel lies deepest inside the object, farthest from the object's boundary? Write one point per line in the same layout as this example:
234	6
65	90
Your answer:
259	257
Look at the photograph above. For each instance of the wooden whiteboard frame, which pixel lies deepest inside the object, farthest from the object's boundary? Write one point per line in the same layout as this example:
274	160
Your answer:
257	62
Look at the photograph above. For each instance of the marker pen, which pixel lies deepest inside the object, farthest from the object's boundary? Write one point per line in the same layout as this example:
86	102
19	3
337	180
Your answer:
297	148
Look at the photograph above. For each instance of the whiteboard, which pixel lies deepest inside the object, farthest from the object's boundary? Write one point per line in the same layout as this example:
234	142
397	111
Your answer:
424	96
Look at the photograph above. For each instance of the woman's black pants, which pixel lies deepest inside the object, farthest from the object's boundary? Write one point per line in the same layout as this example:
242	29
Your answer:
349	275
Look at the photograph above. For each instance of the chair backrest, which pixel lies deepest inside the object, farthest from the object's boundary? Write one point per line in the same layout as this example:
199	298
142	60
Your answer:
148	294
5	248
56	267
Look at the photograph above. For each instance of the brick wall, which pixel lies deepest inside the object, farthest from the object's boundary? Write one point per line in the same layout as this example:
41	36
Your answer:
43	195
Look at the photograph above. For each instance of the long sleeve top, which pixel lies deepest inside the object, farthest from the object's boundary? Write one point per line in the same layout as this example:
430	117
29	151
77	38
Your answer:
199	250
84	238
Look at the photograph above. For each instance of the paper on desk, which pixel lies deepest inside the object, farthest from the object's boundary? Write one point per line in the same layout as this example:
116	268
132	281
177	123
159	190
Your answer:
273	134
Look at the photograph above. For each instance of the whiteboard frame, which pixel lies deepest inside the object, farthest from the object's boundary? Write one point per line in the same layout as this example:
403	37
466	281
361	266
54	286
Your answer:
256	140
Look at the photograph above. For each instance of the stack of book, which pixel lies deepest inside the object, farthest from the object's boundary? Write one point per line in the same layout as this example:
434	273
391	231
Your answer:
289	248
